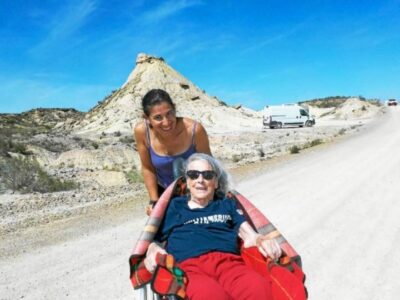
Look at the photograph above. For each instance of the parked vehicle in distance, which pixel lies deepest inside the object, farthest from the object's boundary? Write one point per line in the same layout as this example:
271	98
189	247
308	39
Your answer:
391	102
277	116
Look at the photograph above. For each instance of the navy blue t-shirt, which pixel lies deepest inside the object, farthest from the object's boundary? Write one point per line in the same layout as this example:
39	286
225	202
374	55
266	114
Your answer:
193	232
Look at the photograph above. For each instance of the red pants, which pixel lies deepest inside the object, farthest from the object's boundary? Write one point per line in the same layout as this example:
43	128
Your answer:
218	275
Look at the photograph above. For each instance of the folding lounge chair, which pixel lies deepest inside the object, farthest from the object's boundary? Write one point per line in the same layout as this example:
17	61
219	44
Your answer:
289	281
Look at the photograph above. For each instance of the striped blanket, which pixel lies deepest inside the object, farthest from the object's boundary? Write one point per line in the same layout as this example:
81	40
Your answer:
140	276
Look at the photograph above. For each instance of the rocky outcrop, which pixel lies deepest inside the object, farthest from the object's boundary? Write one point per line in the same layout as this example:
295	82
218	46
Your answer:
122	109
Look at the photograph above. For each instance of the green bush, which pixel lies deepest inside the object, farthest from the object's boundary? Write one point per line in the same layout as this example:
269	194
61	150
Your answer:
45	183
236	158
7	145
261	152
17	174
342	131
127	140
315	142
111	168
134	176
294	149
26	175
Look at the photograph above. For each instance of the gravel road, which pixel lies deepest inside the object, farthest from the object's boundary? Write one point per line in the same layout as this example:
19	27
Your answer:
336	204
339	208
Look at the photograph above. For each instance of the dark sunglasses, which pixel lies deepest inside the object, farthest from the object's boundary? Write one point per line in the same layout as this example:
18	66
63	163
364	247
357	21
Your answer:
194	174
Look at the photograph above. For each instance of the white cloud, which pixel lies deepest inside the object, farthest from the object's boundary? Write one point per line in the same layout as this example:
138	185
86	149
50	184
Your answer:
65	23
166	10
263	41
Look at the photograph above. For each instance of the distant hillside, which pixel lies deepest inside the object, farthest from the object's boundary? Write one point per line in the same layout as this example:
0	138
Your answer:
335	101
36	127
37	121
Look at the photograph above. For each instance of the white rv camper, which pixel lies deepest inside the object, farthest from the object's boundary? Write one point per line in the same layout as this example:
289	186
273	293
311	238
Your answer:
277	116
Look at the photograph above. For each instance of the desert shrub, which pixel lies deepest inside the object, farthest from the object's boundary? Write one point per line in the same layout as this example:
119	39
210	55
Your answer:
294	149
315	142
51	145
342	131
236	158
17	174
117	133
26	175
111	168
20	148
45	183
4	148
95	145
126	139
7	145
134	176
261	152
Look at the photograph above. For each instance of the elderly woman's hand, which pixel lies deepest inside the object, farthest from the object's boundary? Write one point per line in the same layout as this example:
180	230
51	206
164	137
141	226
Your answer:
268	247
150	261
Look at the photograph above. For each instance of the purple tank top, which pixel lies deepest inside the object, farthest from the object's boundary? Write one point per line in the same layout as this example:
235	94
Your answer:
163	163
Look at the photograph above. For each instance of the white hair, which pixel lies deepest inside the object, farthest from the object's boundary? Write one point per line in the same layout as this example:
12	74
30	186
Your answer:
223	178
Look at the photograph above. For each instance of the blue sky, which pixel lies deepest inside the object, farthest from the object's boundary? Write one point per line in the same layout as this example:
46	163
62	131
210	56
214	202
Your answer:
74	53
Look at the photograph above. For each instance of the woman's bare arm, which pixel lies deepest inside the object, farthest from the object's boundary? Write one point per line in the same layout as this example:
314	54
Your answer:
202	142
148	171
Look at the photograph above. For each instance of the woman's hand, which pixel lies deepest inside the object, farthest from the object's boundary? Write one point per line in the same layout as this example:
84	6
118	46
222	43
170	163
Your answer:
150	206
150	261
149	209
268	247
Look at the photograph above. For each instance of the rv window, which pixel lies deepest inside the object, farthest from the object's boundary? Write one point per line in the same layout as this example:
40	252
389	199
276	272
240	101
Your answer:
303	112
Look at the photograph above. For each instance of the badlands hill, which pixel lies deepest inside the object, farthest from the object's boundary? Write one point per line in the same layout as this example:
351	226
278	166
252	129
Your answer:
122	109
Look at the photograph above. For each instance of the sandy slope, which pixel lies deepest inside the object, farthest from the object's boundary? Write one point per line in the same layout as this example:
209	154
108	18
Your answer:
335	204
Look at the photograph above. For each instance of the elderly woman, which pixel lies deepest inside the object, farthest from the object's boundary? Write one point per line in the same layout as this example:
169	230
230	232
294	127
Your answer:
201	231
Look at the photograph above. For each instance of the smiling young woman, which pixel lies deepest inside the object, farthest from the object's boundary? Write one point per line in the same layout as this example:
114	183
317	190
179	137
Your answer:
162	138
